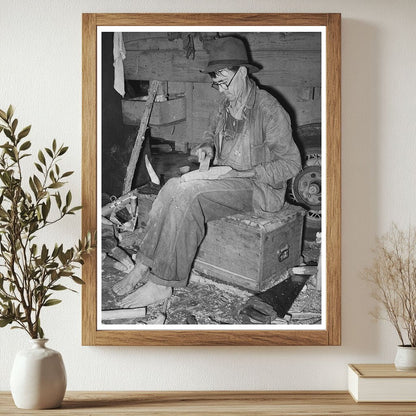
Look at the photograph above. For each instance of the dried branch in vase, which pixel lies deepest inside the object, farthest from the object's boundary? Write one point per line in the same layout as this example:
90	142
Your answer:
393	276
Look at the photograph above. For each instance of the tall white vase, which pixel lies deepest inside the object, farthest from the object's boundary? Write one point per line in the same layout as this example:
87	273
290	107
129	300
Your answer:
38	377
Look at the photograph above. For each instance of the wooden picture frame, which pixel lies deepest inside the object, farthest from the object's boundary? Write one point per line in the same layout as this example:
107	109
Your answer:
331	333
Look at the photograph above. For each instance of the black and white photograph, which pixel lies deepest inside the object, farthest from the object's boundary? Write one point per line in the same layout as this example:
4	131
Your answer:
211	182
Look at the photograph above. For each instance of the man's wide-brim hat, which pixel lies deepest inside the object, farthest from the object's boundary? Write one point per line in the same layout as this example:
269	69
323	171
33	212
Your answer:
227	52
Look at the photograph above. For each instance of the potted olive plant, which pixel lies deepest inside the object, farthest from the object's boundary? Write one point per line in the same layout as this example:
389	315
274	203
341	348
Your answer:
393	276
31	273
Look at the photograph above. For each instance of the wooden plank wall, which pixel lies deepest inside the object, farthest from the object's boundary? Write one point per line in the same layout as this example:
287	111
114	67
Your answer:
290	62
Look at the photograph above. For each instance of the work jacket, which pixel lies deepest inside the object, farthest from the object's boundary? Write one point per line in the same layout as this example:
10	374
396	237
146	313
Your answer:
262	141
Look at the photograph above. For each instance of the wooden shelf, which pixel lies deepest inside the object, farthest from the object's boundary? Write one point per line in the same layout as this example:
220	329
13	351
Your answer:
317	403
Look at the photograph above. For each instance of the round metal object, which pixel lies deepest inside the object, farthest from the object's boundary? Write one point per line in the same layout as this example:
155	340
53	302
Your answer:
308	193
306	187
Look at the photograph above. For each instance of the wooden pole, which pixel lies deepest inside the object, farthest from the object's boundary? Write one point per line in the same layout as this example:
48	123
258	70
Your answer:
131	167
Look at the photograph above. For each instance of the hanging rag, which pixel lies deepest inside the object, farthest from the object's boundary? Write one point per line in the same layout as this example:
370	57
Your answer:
119	54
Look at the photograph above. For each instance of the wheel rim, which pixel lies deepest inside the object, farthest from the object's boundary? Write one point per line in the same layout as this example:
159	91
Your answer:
306	187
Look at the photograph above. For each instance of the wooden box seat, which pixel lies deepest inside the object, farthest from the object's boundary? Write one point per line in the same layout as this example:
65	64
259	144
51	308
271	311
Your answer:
249	250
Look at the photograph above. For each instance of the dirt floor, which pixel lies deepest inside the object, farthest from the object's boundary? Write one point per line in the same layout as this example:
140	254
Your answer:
204	301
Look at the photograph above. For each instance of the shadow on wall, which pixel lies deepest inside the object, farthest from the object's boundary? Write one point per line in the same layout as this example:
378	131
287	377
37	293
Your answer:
361	121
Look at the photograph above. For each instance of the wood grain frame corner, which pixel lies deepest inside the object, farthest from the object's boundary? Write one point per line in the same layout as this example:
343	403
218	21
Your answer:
332	334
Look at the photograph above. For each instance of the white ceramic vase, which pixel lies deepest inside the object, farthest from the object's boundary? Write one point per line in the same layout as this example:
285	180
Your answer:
405	358
38	377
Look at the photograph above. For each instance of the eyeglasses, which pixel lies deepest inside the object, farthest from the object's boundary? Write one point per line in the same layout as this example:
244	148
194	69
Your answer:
224	85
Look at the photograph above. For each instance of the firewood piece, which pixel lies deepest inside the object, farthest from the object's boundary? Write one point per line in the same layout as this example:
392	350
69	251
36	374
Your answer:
113	314
310	270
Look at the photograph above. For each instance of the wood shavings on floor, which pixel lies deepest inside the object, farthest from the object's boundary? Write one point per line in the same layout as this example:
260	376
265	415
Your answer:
205	301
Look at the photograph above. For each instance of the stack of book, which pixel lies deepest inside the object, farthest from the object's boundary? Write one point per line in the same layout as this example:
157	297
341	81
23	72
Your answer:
381	383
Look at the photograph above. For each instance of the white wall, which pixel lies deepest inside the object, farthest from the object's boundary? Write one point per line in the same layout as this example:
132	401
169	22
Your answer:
40	73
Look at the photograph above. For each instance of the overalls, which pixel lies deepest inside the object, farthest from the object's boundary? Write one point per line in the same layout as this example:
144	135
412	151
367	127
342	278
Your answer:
177	220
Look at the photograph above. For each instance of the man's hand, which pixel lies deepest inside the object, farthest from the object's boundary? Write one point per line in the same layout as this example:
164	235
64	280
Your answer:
202	152
238	174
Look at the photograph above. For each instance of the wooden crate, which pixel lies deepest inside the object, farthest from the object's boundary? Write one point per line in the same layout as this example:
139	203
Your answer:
249	251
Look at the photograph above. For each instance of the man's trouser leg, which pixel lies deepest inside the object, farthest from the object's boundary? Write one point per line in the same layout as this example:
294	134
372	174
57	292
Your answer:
178	219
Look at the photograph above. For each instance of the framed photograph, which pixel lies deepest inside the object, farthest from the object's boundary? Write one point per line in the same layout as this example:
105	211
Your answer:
211	172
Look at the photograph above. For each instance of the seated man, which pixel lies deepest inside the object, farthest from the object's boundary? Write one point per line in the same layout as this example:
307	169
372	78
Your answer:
251	133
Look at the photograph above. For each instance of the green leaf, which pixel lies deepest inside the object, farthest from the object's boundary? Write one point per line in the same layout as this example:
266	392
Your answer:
59	287
8	133
49	152
55	251
58	199
76	279
24	132
25	155
68	198
41	157
62	257
25	145
67	174
34	226
37	182
40	331
39	167
56	185
33	187
63	150
5	321
44	253
5	298
51	302
10	112
59	250
14	125
3	115
77	208
54	145
45	211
